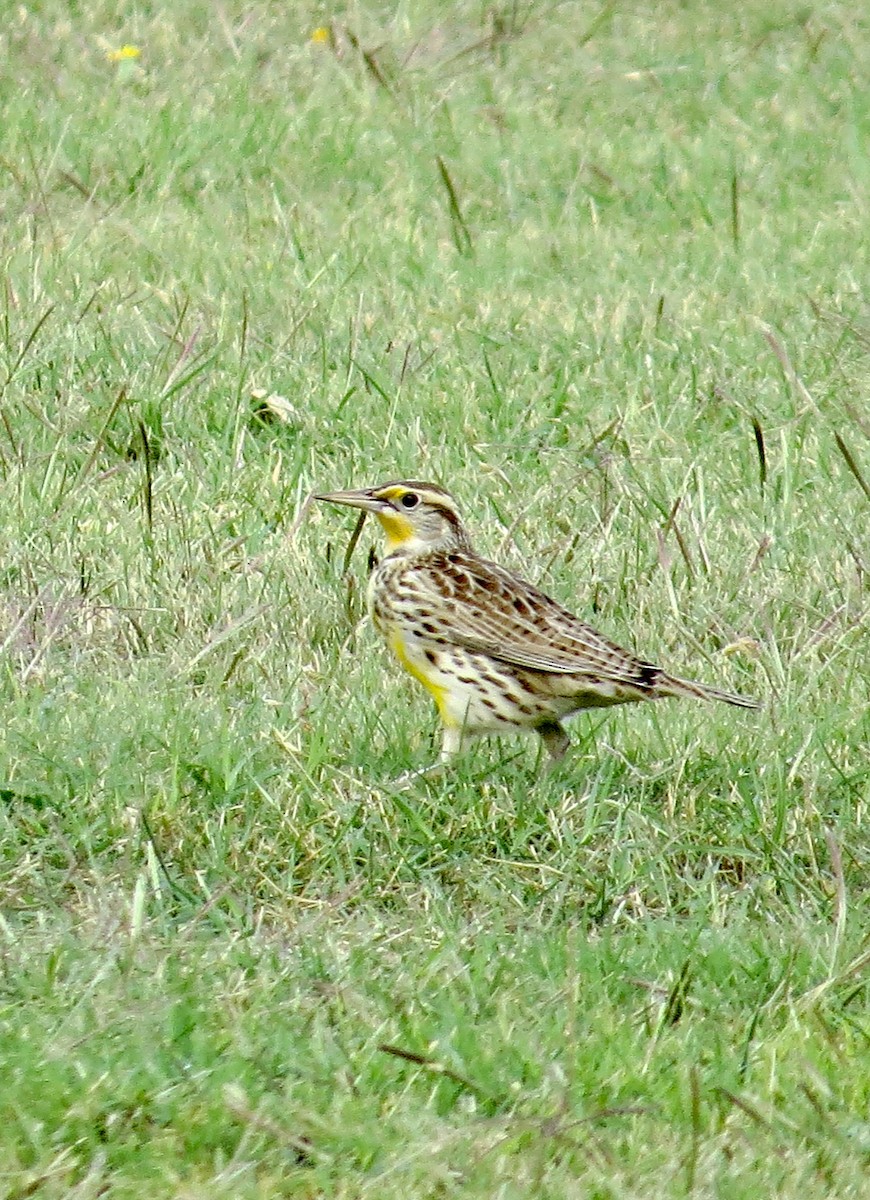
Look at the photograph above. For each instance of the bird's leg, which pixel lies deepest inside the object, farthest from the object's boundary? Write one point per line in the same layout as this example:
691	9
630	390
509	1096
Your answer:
555	739
451	744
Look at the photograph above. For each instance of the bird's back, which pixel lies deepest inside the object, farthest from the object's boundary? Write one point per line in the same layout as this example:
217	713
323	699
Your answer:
460	601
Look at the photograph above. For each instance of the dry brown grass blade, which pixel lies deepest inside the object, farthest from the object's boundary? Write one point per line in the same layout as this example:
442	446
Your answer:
840	897
28	342
461	234
671	524
785	362
101	436
184	355
369	59
762	455
149	477
852	464
435	1067
351	545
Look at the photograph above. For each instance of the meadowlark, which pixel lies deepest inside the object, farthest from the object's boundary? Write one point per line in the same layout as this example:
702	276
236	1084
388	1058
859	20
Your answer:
495	652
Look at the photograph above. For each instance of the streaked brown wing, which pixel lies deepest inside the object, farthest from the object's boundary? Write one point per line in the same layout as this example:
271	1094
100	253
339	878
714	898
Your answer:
487	610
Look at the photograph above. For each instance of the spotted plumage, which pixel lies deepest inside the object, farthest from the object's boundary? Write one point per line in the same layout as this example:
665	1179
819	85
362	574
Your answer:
497	654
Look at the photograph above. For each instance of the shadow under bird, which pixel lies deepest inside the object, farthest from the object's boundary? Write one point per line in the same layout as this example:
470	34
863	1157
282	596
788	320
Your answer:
496	653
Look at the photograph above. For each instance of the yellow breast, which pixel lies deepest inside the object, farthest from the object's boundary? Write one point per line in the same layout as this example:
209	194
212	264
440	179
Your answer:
418	668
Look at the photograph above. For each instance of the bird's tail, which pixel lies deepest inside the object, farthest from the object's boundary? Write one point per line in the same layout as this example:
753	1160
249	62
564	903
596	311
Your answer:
670	685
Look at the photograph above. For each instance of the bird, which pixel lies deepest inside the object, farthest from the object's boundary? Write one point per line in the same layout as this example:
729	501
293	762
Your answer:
497	654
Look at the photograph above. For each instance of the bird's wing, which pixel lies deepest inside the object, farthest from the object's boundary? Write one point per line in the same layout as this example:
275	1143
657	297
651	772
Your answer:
487	610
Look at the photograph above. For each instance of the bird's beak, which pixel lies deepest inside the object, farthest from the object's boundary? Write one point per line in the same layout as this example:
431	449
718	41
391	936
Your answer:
354	499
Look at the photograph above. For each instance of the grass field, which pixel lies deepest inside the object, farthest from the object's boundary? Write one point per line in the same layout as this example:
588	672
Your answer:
601	270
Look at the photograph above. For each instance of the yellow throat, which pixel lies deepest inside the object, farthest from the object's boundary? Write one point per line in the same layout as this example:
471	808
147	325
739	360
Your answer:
398	529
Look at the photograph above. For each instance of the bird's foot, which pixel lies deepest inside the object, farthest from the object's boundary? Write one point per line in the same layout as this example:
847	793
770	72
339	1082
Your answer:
408	778
555	741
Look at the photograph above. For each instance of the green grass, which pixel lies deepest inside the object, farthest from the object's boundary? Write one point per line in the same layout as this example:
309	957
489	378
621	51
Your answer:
579	264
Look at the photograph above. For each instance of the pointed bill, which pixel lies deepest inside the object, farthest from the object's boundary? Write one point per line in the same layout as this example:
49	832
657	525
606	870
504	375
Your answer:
361	498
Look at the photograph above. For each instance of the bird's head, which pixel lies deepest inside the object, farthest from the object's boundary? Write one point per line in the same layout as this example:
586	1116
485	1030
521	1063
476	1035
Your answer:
416	517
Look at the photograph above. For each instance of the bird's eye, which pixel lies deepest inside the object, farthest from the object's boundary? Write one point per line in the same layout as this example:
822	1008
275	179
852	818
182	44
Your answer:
410	500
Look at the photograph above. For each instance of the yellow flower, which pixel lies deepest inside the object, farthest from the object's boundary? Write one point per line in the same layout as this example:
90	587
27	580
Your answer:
321	36
123	53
